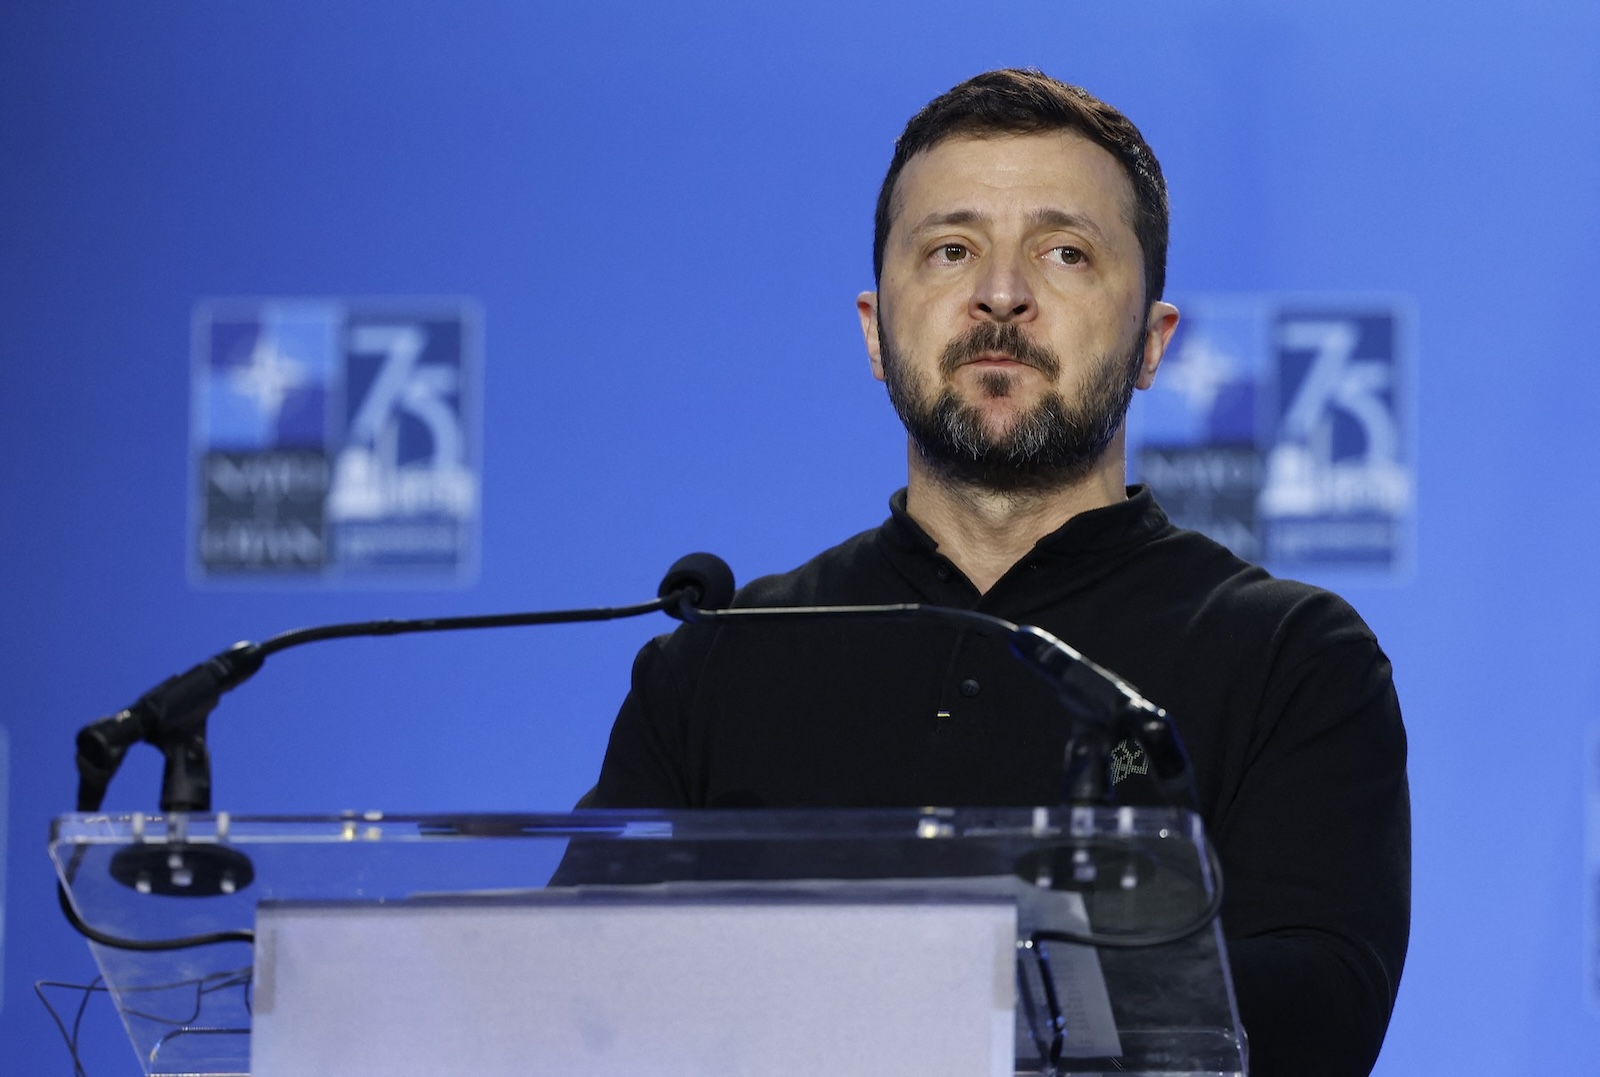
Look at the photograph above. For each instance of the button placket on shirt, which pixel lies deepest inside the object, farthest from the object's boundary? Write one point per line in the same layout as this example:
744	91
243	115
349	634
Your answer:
963	701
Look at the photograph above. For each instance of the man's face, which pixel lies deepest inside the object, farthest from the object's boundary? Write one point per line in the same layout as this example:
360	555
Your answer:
1010	322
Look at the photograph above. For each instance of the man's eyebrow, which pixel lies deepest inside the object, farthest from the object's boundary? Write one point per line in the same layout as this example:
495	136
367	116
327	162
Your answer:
1040	218
1060	218
941	220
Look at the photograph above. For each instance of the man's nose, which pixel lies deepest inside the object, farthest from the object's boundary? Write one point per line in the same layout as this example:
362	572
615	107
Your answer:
1002	292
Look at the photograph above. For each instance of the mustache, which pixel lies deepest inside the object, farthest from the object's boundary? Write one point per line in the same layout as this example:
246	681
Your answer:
1004	337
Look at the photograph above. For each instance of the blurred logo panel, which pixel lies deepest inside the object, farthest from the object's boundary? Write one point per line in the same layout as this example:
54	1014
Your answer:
335	439
1281	428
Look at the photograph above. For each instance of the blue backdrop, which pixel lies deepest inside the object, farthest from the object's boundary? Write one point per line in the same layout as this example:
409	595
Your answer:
664	211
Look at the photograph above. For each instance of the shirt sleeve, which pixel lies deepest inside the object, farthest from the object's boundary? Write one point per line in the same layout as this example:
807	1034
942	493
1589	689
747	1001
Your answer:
1316	849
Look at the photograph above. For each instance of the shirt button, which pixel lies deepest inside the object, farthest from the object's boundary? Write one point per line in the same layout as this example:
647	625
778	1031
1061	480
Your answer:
943	572
970	688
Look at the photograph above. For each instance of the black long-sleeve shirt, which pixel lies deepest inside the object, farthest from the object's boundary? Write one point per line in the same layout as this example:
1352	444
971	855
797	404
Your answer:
1280	692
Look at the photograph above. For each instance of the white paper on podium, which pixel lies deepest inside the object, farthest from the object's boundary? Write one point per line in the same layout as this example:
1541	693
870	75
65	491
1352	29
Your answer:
677	989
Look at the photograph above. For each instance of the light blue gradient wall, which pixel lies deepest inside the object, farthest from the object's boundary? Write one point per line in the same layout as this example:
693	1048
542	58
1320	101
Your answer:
665	211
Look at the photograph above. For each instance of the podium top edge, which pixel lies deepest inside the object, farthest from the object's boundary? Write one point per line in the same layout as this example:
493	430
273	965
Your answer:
966	823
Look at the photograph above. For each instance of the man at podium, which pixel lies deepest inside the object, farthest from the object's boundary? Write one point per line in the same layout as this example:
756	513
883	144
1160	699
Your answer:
1020	257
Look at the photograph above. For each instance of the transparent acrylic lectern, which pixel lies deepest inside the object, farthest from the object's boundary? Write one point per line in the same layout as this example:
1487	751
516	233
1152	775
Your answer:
741	942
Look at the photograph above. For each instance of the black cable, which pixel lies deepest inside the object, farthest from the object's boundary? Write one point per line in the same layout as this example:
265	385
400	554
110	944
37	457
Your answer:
1025	1002
145	945
1058	1023
70	1039
205	985
208	984
83	1007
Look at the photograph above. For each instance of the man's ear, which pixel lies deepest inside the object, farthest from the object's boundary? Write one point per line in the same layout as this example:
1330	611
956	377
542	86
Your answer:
867	308
1159	327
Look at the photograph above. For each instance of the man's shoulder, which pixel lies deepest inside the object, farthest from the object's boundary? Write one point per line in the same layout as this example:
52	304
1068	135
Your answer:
842	573
1220	588
851	572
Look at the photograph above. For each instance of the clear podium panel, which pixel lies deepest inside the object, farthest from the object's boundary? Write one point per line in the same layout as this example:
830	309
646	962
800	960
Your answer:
1119	966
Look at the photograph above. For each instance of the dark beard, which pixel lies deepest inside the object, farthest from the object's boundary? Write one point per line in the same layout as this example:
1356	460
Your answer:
1051	446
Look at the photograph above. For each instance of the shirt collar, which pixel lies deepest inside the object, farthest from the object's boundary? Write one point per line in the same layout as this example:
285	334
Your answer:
1130	522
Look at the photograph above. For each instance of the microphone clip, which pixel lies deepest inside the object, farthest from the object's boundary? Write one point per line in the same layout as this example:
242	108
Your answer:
1108	710
171	717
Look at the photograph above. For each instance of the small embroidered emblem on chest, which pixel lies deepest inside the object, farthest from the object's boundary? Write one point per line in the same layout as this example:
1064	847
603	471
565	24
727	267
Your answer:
1128	758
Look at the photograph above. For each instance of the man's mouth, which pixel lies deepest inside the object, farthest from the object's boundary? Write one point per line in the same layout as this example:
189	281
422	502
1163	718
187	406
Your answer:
996	359
997	348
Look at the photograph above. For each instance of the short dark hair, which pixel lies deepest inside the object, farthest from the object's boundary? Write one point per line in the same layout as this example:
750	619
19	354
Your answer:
1017	101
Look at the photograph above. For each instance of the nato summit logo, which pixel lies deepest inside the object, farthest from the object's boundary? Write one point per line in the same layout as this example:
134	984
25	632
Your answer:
1282	428
335	439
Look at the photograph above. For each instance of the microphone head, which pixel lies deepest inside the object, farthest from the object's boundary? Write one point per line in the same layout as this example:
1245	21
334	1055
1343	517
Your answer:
705	576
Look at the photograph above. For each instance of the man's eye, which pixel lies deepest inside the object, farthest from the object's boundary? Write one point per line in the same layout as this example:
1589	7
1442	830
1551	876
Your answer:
952	252
1068	256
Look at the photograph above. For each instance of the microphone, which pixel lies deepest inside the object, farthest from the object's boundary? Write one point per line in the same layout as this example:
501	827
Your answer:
701	580
1106	707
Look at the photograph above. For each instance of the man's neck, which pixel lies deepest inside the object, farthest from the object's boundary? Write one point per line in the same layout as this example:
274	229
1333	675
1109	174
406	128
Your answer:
985	532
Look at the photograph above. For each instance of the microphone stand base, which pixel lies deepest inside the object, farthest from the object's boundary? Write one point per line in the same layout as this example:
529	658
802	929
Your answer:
182	869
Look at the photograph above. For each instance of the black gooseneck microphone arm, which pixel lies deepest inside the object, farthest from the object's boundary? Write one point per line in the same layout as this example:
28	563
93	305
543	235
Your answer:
698	588
172	715
1106	708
